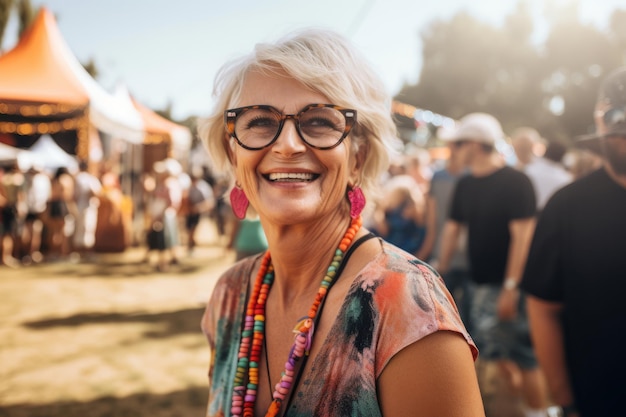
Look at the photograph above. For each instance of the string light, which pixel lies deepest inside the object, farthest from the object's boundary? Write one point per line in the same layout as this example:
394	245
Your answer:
421	115
80	124
157	138
43	109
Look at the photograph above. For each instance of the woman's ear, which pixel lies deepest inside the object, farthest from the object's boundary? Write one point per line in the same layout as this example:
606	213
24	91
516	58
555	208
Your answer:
357	162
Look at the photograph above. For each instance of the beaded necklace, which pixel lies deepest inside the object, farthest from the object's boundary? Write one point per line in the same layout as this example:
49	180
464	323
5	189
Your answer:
252	336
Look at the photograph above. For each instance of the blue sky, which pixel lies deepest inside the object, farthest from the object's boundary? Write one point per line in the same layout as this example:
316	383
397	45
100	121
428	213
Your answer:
169	51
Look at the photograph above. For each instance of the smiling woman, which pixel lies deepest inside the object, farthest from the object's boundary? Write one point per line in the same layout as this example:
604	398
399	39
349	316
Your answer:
303	127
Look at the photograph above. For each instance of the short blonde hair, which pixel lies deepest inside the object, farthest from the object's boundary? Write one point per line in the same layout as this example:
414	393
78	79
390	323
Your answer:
327	63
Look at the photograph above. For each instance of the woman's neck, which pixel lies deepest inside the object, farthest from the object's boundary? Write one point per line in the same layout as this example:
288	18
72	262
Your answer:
301	255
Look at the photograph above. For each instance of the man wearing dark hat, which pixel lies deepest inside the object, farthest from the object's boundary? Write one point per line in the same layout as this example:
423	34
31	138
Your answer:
575	275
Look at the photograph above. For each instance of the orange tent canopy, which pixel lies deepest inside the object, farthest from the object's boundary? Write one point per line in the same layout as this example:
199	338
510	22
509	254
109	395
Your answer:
153	122
161	130
35	71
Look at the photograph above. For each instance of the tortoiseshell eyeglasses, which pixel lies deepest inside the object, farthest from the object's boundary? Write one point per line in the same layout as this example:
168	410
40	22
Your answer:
321	126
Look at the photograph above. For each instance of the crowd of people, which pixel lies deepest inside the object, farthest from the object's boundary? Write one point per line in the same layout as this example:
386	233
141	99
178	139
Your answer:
472	217
46	215
61	215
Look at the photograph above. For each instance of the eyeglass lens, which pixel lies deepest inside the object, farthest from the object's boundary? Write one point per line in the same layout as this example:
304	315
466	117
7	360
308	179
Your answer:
318	126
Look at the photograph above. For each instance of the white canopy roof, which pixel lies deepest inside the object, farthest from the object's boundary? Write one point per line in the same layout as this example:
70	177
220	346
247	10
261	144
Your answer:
8	153
181	135
109	113
181	141
51	156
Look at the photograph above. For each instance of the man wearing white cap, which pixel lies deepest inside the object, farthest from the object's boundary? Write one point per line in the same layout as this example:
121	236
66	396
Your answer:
576	273
496	203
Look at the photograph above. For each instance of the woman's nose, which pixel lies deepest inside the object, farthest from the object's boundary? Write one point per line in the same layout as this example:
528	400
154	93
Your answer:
289	140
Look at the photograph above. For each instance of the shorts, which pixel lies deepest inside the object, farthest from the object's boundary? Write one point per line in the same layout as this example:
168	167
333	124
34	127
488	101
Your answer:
8	217
155	238
58	209
458	282
496	339
32	216
192	220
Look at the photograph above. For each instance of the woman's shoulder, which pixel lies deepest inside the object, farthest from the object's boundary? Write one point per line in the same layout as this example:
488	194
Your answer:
408	297
228	293
234	280
396	275
396	261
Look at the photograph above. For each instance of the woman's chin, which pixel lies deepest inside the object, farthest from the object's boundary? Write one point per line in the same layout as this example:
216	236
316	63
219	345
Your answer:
290	212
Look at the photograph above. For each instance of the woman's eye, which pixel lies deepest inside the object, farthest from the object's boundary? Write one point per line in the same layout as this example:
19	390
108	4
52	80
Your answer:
261	122
319	122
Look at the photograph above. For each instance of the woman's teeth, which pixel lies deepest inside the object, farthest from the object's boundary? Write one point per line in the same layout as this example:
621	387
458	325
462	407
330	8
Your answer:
290	176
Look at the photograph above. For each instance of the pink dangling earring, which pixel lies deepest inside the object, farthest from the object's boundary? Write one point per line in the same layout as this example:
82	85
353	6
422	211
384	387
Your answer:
239	202
357	201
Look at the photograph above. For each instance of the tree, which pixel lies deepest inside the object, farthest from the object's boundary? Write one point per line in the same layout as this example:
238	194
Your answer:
25	11
5	14
618	31
471	66
26	15
91	68
576	58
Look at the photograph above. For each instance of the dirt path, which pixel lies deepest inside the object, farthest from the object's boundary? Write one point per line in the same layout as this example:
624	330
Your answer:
110	337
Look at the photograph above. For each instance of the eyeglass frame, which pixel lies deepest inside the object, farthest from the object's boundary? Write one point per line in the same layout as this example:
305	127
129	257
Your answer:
230	116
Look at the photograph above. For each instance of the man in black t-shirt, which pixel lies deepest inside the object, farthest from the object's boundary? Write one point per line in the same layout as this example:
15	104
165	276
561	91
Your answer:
576	274
496	203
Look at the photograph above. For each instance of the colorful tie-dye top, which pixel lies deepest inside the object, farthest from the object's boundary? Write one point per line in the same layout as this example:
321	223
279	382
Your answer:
395	301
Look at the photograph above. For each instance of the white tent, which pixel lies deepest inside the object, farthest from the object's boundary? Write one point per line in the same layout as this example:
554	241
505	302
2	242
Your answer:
8	153
181	135
51	155
122	97
110	113
24	158
181	142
